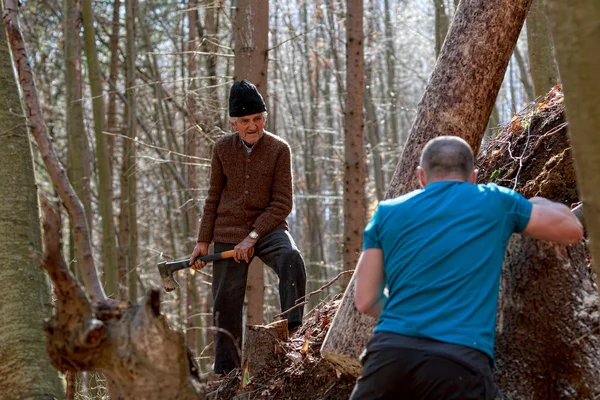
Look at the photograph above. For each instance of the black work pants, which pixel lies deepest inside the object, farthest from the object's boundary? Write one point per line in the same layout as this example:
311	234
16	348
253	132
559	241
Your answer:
276	249
409	374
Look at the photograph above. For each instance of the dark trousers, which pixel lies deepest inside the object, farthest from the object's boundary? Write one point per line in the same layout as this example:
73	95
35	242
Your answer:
276	249
408	374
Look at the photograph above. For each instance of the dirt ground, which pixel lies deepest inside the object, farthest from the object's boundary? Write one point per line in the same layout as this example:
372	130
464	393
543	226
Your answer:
531	154
299	372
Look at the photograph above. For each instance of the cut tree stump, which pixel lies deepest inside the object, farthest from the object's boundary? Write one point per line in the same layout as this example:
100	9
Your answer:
261	347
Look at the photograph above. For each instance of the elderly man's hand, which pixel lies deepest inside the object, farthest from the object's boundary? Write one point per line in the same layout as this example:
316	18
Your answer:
241	252
201	249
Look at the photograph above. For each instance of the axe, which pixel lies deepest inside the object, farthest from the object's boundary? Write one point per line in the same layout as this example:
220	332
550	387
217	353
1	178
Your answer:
166	269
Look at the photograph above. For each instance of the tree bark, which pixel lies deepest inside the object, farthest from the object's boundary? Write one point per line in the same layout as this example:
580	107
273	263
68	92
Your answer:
111	114
391	90
546	344
130	150
458	101
251	63
25	372
354	123
576	35
105	192
524	75
539	44
193	320
78	151
460	95
261	347
441	25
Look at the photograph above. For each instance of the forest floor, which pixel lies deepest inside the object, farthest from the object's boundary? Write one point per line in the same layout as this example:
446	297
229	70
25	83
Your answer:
531	154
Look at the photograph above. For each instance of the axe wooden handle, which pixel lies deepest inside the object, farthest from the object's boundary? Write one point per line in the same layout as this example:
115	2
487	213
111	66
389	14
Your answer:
166	269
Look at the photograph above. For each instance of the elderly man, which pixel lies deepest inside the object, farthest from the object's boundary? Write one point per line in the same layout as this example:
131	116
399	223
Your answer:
249	198
439	252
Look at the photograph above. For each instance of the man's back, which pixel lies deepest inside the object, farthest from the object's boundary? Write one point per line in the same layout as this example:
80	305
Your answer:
443	248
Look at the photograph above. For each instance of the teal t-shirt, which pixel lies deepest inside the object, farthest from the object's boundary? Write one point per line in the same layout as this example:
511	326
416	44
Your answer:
443	248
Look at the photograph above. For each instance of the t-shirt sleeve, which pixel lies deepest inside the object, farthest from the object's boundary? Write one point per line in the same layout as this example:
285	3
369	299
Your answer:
518	208
371	233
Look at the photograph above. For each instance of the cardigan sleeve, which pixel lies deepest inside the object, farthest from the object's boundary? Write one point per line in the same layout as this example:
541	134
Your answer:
281	202
216	185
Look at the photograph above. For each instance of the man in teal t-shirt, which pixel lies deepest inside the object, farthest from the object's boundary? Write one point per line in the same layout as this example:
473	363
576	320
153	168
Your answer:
439	252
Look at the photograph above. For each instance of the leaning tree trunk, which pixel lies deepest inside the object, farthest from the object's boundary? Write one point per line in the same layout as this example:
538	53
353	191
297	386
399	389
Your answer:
546	344
576	31
458	101
464	85
25	372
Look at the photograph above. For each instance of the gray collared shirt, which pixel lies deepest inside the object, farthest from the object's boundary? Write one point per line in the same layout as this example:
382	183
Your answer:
248	148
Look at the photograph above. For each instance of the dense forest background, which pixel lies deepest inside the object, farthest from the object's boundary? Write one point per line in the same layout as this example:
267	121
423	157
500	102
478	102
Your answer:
162	71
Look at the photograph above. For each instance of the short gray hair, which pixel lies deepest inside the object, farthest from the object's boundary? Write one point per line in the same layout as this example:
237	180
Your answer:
447	156
233	120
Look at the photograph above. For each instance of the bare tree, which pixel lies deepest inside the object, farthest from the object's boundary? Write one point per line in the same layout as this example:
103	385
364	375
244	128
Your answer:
354	123
104	181
251	63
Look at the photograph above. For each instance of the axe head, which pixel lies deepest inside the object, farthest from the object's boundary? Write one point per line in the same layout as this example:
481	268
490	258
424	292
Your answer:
169	281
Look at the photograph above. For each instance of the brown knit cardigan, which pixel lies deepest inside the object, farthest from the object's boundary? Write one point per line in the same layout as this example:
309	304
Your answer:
247	191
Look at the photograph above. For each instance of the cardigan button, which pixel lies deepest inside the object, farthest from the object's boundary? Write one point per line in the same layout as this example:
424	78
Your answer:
248	160
246	192
247	176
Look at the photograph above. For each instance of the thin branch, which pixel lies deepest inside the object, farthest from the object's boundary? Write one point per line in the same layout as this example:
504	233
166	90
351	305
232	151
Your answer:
295	37
308	296
158	148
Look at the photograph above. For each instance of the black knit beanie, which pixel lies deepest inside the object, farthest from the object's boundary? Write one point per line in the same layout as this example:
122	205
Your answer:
244	99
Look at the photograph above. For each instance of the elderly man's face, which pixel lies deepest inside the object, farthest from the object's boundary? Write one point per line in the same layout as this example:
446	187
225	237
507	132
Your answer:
250	127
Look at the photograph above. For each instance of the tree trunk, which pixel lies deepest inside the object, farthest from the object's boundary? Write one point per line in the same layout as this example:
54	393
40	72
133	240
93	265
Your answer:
78	158
576	33
111	115
261	347
132	242
441	25
539	45
524	75
354	174
105	192
25	372
251	63
460	96
391	91
193	320
546	344
457	101
375	143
